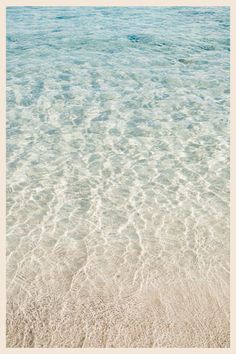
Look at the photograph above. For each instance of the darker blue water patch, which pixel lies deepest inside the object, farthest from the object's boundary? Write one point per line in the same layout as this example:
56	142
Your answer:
27	101
11	98
224	25
104	116
151	123
185	61
113	50
22	47
65	87
68	96
37	89
11	148
95	84
226	43
144	39
135	38
155	44
202	13
77	121
79	62
207	47
195	12
13	131
50	45
77	110
161	44
178	116
11	39
161	97
65	17
53	131
64	77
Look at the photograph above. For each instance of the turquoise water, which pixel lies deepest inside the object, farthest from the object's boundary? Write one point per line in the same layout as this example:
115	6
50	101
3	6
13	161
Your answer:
117	173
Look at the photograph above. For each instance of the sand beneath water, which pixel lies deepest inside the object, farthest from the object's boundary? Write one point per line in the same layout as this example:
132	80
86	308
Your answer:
184	315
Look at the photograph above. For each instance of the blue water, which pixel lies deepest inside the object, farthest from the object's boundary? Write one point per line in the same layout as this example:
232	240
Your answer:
117	171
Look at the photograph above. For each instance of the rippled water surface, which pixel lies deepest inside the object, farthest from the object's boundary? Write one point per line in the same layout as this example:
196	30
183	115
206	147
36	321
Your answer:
118	177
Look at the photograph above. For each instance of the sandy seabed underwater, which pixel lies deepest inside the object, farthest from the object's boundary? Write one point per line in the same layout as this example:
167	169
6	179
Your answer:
118	177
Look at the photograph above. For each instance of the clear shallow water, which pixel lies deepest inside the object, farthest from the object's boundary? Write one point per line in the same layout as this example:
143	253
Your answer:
118	176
